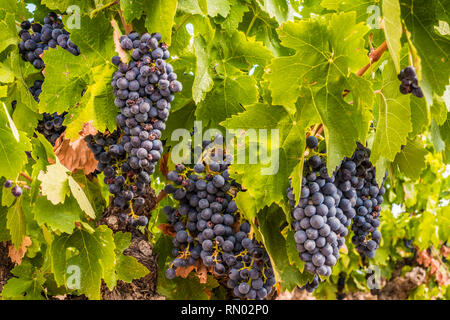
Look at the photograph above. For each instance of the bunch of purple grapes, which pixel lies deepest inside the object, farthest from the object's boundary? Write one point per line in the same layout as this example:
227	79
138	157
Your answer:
359	173
42	37
410	83
144	88
206	222
16	190
321	218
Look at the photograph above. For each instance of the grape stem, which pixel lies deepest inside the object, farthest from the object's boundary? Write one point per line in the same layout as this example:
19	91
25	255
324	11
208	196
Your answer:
26	176
374	56
94	12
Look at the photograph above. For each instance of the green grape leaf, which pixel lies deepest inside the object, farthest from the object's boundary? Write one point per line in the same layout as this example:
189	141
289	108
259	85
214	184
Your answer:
98	104
8	36
132	9
270	220
160	18
420	119
90	254
366	10
203	81
15	222
394	117
438	110
325	50
54	183
393	30
128	268
216	7
229	95
268	178
60	217
231	23
411	160
28	283
277	9
65	75
81	198
420	18
12	152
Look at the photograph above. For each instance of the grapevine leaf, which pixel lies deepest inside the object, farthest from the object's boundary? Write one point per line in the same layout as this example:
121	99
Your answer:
203	81
26	285
419	115
393	30
16	223
270	220
60	217
127	268
160	16
81	197
216	7
232	21
411	160
230	94
54	183
91	253
8	36
394	118
12	152
132	9
278	9
98	104
420	18
325	50
65	74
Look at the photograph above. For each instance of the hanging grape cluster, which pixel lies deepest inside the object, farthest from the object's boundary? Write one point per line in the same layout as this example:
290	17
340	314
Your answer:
42	37
327	206
32	45
410	83
209	228
359	172
144	88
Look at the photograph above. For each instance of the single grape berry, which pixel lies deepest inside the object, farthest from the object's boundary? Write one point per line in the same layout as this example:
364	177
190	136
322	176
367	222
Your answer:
312	142
16	191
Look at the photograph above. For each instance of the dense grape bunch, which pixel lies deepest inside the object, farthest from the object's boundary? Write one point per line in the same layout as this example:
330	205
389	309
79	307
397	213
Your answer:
321	219
209	229
143	88
410	83
41	37
358	174
51	126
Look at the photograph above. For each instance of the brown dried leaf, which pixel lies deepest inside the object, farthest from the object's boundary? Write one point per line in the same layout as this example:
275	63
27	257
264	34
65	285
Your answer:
76	155
184	271
167	229
445	251
423	258
124	57
17	255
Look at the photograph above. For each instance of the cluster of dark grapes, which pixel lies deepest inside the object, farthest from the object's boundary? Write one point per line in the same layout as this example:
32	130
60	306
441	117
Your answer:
358	175
16	190
327	206
144	88
321	218
127	185
410	84
42	37
209	229
51	126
